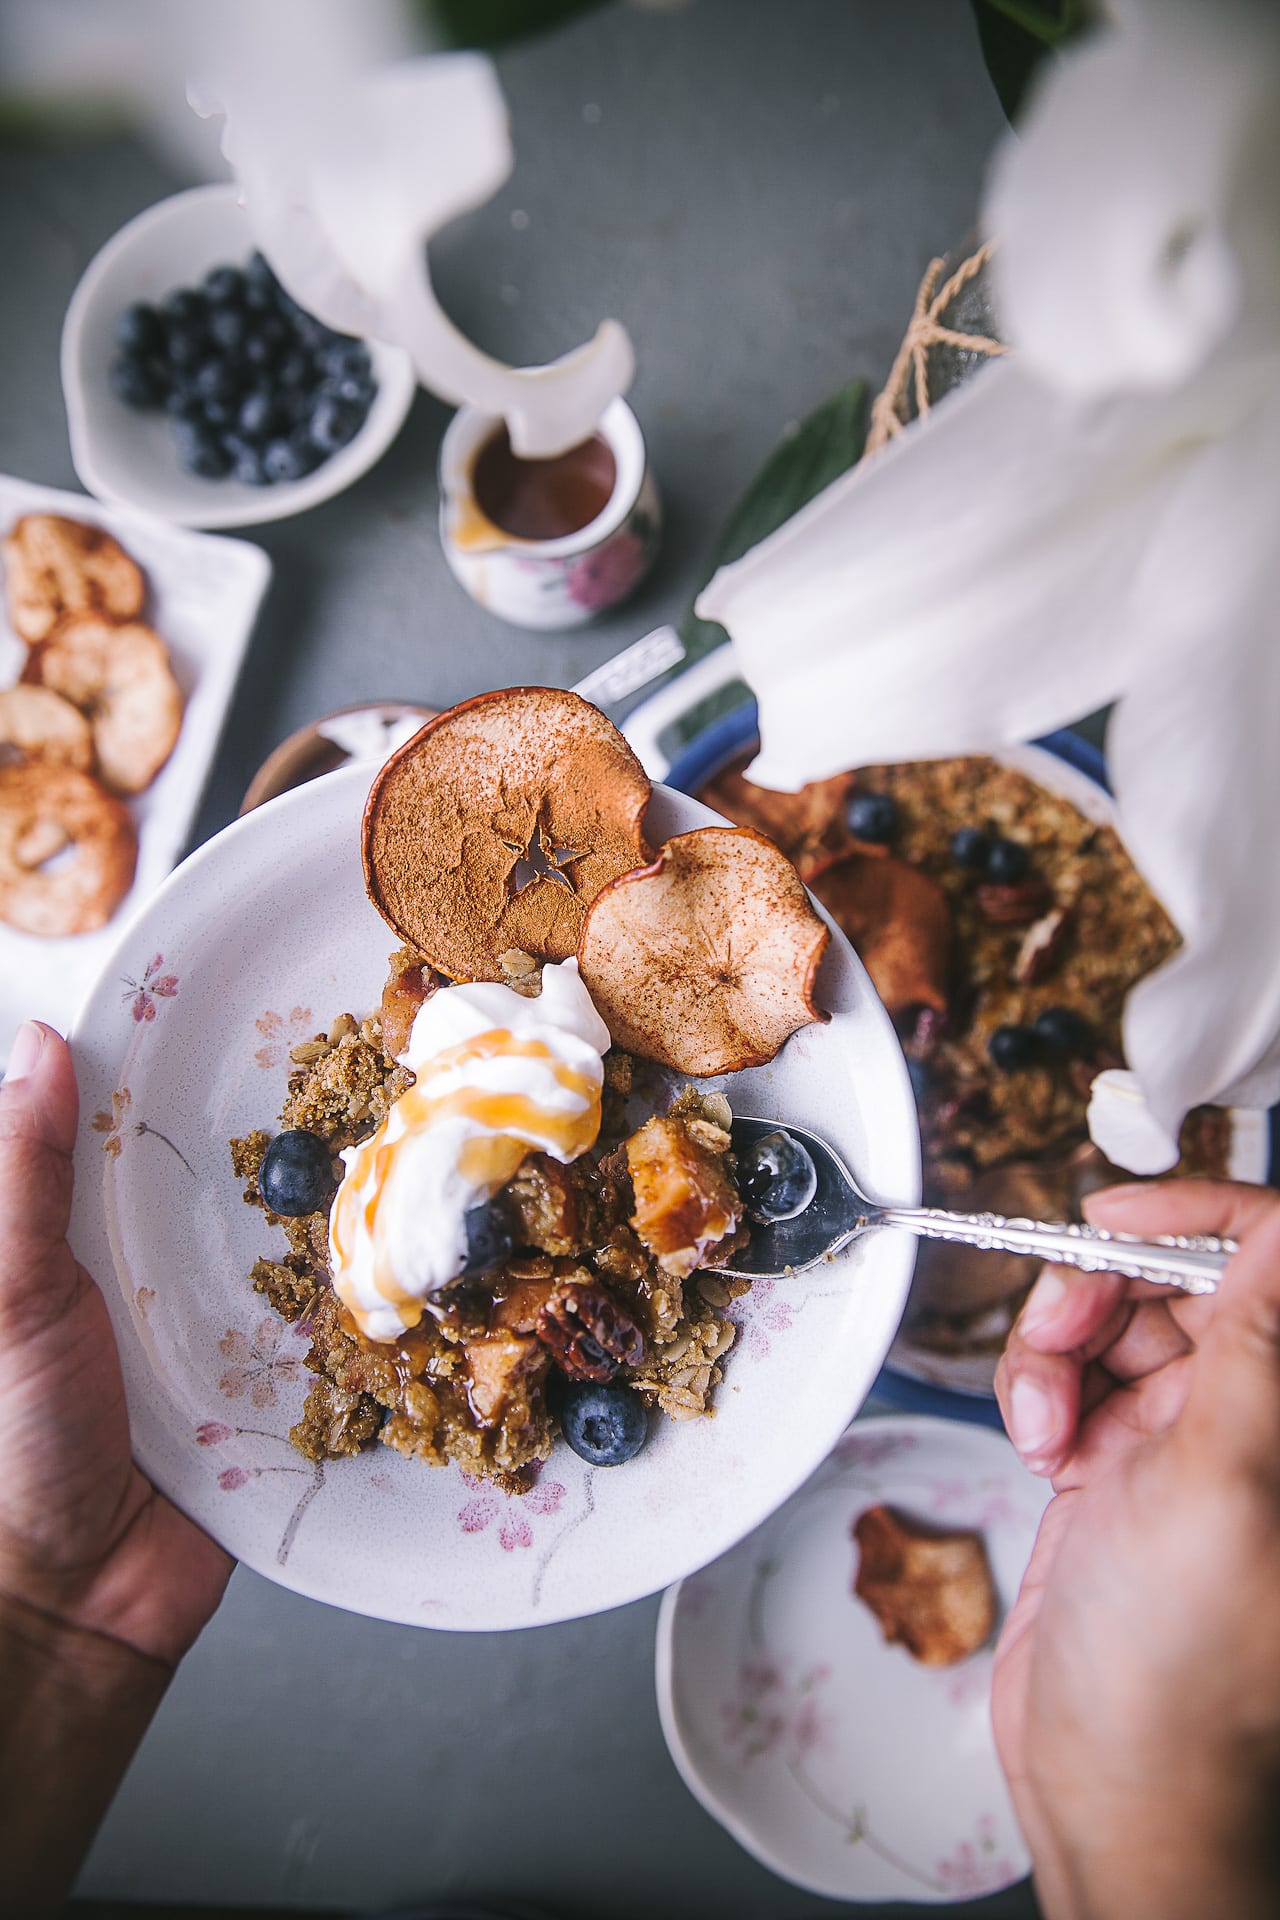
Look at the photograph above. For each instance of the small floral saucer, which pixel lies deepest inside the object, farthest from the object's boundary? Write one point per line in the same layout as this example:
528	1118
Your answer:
258	940
834	1758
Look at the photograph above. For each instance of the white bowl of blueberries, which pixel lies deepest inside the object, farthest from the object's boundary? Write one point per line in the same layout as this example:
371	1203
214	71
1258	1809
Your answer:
199	391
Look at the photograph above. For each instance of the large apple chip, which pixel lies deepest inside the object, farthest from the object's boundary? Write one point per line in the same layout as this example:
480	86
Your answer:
932	1592
705	961
493	829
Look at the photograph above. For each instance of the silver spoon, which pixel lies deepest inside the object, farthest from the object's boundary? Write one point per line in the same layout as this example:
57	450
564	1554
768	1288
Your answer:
838	1212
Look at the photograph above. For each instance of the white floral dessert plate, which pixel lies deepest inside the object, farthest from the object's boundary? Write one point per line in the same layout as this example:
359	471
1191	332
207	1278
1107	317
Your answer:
258	941
836	1759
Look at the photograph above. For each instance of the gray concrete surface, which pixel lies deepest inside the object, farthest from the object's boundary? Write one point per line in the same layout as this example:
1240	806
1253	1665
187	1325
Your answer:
754	186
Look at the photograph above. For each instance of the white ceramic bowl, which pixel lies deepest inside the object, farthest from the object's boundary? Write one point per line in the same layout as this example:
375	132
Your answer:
131	459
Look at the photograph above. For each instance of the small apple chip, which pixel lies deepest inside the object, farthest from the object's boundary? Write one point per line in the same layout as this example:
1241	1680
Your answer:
930	1591
705	961
492	830
55	567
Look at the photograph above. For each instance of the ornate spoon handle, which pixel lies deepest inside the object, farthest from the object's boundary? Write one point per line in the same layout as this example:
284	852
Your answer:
1193	1262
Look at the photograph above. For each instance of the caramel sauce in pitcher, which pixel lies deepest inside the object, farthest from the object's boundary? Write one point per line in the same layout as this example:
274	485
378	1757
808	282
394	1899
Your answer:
543	499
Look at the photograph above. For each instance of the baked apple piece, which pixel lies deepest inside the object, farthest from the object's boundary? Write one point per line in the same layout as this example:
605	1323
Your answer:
686	1204
898	922
931	1591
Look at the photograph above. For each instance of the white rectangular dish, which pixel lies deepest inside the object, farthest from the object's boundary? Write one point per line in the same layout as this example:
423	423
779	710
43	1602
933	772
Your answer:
203	596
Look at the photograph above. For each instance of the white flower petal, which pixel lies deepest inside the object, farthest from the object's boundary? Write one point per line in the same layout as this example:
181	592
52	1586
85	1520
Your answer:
958	589
1123	1127
345	178
1136	207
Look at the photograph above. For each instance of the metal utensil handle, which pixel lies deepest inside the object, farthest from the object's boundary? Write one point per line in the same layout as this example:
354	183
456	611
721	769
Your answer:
1193	1262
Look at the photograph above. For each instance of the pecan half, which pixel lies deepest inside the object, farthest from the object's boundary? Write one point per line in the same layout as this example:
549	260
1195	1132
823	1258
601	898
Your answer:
1014	905
588	1334
1041	944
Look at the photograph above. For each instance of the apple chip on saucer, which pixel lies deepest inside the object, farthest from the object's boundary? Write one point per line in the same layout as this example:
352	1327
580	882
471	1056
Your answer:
931	1591
493	829
38	724
705	961
119	675
55	567
68	850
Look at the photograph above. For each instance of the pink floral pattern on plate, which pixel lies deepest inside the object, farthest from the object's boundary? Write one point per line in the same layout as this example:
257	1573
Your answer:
511	1511
771	1712
976	1866
154	985
763	1312
280	1032
259	1367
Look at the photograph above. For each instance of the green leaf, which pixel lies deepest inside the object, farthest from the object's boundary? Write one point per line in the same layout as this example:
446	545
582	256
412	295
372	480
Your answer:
493	23
823	447
1017	36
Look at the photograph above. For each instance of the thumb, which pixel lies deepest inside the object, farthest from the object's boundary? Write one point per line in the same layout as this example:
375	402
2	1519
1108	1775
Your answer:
1232	1408
38	1109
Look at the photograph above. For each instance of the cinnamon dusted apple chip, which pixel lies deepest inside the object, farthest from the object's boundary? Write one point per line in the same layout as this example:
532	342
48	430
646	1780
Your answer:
899	923
930	1591
495	827
705	961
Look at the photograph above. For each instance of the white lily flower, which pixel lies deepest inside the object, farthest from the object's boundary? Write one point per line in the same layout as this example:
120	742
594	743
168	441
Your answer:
1095	519
348	169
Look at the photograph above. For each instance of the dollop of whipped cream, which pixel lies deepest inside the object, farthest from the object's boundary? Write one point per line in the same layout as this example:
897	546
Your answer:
498	1077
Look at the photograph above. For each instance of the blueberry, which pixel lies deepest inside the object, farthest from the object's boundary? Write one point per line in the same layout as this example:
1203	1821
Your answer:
605	1423
259	416
343	356
247	467
289	459
1065	1030
217	380
776	1177
265	339
918	1074
219	414
228	327
139	383
970	847
356	389
334	422
1007	861
296	369
259	275
139	329
313	333
225	286
184	307
296	1175
1014	1047
199	450
871	816
185	346
489	1237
